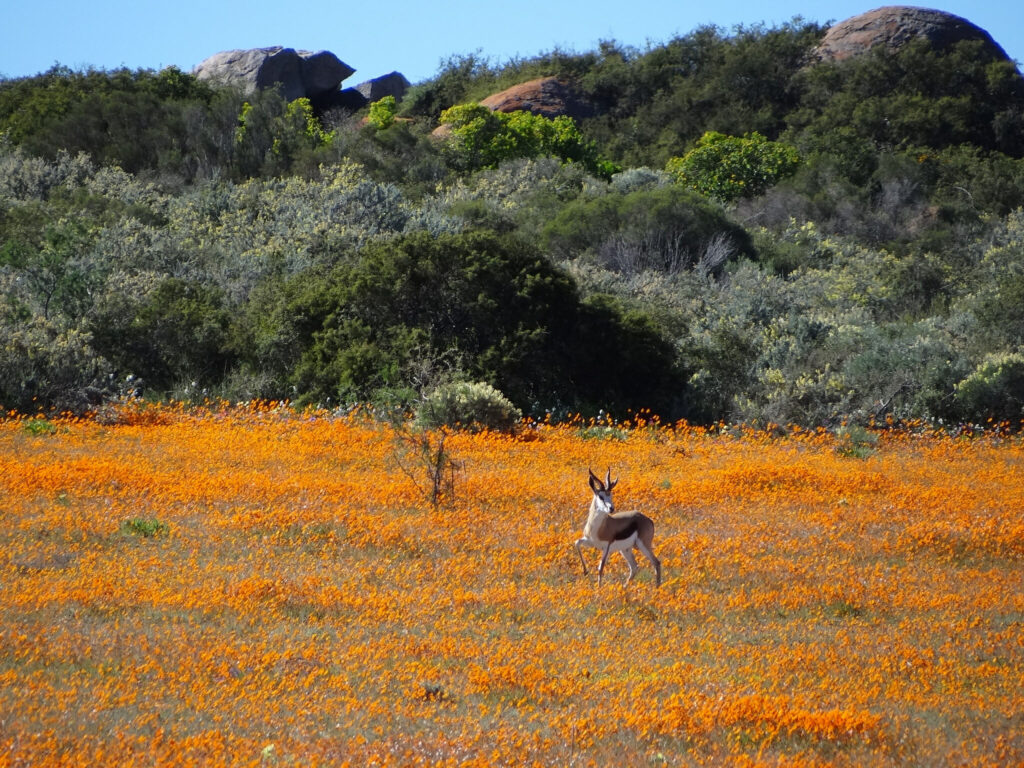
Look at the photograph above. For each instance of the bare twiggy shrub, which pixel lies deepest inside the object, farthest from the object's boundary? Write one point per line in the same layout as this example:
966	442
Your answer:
423	456
718	250
630	253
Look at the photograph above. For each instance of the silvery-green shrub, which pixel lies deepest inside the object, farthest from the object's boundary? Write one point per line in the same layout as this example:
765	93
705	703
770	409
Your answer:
469	405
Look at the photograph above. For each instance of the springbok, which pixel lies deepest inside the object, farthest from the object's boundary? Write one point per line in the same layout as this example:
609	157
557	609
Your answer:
613	531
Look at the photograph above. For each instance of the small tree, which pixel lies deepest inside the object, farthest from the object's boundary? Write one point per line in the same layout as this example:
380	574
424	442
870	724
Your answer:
382	113
420	443
731	167
272	133
485	139
423	457
299	129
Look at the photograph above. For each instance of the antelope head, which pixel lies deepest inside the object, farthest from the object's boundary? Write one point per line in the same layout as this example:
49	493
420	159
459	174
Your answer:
603	491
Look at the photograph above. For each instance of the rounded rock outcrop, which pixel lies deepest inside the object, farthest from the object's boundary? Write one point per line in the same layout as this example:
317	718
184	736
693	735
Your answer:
392	84
547	96
897	25
298	73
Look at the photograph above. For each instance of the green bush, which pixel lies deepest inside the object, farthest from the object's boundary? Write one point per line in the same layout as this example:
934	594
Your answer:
147	528
660	101
855	442
176	332
38	427
55	268
730	167
492	306
903	370
998	281
382	113
525	192
469	405
622	361
485	139
137	120
496	303
918	95
995	390
665	228
275	137
45	365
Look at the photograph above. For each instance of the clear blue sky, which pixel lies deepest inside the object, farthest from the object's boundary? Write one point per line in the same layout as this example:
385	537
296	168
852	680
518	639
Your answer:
411	36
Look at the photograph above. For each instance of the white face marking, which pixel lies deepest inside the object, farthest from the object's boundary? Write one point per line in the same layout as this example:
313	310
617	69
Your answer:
604	501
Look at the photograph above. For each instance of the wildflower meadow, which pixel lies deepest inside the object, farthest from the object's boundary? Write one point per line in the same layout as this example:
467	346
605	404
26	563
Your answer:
256	586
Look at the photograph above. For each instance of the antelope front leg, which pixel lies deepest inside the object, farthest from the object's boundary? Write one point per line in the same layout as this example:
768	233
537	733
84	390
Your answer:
604	559
579	551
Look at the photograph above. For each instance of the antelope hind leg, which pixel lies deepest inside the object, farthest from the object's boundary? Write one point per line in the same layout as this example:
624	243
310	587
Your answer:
631	562
649	554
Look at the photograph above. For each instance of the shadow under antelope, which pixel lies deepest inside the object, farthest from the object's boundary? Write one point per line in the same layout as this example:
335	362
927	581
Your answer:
613	531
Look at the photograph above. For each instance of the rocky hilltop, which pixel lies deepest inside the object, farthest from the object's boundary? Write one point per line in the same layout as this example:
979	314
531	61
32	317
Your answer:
318	75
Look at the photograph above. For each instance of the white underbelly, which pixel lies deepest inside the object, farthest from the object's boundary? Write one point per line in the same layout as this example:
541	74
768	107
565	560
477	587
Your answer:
616	546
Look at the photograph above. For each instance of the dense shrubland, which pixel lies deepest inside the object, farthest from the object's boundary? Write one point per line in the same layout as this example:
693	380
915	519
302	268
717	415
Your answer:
161	237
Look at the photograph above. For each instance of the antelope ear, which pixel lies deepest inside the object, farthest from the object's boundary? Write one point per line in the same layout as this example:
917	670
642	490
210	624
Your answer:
595	484
612	484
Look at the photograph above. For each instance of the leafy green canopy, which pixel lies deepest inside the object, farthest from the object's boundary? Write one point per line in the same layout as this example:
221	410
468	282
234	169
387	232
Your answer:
489	305
168	122
916	96
136	120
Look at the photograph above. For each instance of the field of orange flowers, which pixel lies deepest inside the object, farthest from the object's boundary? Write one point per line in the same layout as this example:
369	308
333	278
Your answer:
260	587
